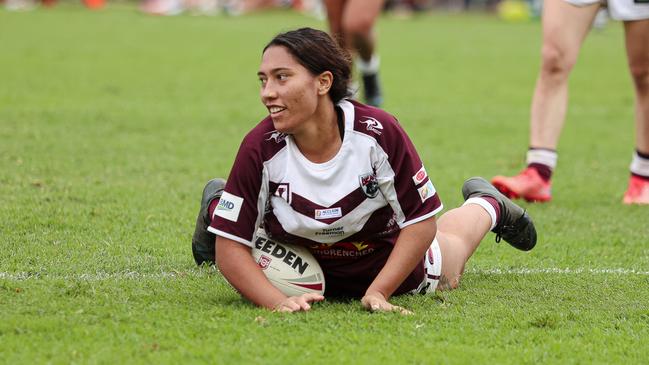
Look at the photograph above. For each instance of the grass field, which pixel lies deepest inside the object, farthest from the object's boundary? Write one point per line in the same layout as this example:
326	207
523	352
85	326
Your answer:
111	122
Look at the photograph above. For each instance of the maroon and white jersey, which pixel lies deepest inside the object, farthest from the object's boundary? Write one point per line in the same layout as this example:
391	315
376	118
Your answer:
348	211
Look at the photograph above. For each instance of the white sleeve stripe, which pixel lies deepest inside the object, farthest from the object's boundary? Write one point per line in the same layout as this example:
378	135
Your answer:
230	236
423	217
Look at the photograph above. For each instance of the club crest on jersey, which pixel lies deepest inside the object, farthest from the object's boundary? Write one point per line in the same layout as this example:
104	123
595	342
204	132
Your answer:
369	184
276	136
284	191
372	125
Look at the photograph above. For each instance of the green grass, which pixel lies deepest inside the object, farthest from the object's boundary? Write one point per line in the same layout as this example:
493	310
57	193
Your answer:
111	122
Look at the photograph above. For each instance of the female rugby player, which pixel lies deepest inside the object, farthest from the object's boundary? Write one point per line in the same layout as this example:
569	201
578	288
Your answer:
343	179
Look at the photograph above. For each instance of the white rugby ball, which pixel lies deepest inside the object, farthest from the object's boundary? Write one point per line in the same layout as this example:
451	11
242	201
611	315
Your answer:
290	268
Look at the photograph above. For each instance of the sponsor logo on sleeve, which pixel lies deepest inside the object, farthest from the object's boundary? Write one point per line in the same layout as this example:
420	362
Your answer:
420	176
328	213
373	125
426	191
229	207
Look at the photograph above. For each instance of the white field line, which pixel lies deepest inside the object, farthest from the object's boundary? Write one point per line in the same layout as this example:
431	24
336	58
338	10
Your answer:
556	270
134	275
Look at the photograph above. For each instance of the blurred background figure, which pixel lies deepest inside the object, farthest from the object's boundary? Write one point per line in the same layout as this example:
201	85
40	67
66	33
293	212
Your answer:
566	24
351	22
229	7
514	10
26	5
407	8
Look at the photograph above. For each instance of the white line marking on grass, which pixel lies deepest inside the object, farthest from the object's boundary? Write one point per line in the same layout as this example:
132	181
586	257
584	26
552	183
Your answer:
134	275
555	270
98	276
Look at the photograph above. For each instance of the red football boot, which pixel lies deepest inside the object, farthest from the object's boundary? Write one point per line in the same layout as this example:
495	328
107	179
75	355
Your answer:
528	185
637	192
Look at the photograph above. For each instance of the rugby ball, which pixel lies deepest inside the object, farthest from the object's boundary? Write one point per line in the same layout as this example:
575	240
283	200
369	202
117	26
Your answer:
290	268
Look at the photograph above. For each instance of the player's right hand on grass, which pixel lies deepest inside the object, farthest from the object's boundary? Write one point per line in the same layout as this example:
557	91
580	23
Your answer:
300	303
375	302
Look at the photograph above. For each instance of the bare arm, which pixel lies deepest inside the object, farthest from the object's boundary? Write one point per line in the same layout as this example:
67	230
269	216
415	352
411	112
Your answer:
410	248
239	268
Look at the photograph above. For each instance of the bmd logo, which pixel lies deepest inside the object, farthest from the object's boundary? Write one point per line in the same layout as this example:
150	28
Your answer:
229	207
225	205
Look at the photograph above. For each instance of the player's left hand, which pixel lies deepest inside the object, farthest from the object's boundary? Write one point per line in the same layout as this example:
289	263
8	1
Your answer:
375	302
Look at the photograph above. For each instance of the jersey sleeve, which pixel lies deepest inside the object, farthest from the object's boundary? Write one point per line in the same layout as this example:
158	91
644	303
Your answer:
403	180
240	208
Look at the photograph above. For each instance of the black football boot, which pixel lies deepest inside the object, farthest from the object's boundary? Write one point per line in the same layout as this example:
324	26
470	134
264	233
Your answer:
203	240
515	225
372	88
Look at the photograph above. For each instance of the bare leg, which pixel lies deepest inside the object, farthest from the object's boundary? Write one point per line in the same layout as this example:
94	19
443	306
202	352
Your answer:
335	10
352	23
358	21
637	48
459	232
564	28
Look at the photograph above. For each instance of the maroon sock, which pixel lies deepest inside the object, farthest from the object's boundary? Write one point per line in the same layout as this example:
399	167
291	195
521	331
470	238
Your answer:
544	171
212	207
642	154
645	178
494	203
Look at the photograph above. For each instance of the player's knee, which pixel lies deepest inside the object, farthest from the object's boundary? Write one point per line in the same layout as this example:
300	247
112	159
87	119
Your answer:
640	74
358	26
556	61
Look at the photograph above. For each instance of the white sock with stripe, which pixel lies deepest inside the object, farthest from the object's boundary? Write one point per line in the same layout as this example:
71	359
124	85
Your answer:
639	165
368	68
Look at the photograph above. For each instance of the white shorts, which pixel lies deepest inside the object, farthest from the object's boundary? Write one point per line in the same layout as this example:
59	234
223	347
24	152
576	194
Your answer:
432	269
620	9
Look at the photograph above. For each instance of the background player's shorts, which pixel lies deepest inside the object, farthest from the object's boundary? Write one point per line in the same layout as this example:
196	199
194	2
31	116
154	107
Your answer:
432	269
620	9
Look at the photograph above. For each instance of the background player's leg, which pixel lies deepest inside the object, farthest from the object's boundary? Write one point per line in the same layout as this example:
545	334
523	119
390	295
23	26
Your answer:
358	21
565	27
335	19
637	48
358	25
